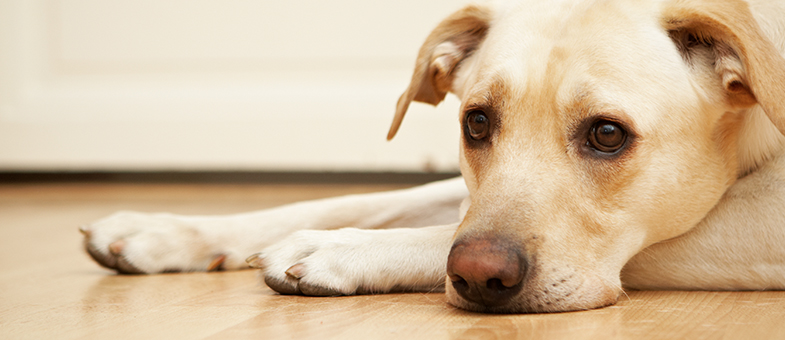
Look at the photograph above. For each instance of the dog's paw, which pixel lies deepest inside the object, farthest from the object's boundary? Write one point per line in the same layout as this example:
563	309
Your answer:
137	243
322	263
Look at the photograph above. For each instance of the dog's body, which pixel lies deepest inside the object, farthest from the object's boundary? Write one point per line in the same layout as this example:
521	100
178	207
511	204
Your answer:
604	142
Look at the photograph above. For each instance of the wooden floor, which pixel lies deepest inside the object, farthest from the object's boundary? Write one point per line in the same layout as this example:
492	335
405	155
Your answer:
50	289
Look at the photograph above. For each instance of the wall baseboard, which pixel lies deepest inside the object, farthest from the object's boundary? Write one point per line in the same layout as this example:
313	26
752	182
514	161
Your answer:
222	177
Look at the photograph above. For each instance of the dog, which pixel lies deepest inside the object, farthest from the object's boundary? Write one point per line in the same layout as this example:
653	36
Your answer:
606	144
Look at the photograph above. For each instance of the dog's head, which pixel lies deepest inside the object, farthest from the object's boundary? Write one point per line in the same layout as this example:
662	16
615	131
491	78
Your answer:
590	131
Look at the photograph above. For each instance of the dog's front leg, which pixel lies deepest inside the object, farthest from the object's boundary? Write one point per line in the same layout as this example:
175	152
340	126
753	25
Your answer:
131	242
740	244
354	261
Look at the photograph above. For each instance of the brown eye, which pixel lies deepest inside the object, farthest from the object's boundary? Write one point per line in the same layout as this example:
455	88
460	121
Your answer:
606	136
477	125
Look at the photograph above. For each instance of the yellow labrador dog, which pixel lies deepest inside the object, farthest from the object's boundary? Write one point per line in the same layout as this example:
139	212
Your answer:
606	143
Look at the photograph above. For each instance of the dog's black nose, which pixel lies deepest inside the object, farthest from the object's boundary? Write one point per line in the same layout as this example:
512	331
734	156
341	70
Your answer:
487	271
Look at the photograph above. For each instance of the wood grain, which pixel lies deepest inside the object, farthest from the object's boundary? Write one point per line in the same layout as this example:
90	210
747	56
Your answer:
50	289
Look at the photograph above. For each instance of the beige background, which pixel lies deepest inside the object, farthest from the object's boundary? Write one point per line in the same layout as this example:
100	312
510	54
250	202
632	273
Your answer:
217	85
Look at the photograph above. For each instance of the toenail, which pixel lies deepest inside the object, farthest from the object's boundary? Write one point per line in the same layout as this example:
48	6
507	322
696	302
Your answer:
255	261
216	263
116	247
296	271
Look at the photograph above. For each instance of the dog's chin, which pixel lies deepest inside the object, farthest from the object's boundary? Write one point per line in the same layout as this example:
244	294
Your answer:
591	294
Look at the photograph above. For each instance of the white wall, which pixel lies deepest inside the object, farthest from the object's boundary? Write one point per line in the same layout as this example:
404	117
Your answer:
217	85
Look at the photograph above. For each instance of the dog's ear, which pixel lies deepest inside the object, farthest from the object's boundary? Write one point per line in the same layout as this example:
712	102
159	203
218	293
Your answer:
751	68
450	43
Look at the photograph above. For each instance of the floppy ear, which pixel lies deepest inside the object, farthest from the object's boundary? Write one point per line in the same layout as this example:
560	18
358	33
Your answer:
750	66
450	43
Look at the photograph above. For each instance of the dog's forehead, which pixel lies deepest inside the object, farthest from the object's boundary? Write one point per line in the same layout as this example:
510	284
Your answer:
612	52
531	24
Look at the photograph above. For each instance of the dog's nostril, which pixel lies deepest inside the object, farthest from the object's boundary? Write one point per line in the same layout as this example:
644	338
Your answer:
455	278
495	284
459	282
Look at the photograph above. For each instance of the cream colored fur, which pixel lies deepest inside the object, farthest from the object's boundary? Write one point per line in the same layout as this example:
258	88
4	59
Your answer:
696	202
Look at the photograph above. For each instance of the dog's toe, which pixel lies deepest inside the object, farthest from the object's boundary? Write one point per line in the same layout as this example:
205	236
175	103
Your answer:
125	267
112	259
105	260
291	286
316	290
285	286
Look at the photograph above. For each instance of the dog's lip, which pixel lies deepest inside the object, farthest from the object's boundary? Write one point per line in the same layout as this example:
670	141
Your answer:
513	307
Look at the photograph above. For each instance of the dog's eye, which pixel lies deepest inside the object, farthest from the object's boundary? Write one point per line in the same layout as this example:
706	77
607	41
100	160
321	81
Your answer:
607	136
477	125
